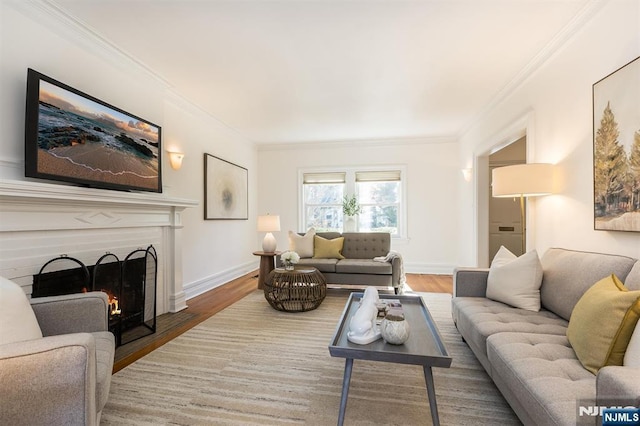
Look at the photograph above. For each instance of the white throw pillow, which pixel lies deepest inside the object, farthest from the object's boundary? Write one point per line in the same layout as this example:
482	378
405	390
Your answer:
515	280
632	355
302	244
17	320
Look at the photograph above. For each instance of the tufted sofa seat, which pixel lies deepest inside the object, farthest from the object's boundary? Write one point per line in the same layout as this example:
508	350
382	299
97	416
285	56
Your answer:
528	355
480	318
545	366
358	266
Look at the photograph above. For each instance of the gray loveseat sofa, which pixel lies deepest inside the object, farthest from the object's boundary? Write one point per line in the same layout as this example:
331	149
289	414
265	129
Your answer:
358	266
527	353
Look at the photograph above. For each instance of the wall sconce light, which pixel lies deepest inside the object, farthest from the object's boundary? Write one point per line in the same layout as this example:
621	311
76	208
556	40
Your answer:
466	174
175	159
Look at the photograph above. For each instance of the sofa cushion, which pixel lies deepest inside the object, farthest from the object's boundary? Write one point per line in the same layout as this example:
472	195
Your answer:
478	318
602	323
632	282
515	280
302	244
17	319
105	351
322	265
541	372
366	245
632	355
363	266
327	249
568	274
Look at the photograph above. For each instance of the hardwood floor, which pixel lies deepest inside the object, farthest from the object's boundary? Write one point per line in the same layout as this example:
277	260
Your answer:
430	283
169	326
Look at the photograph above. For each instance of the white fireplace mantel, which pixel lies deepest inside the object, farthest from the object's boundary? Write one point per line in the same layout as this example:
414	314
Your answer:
39	221
34	191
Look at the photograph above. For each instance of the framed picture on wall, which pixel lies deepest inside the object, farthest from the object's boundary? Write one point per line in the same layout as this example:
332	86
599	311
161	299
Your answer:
226	187
616	150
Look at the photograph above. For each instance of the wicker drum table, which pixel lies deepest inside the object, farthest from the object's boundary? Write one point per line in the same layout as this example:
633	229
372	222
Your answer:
298	290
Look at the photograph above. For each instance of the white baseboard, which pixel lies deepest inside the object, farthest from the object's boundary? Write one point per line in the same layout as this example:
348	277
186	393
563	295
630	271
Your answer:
203	285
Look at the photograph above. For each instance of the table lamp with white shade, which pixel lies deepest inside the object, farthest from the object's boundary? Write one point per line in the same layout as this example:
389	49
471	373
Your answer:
269	224
523	180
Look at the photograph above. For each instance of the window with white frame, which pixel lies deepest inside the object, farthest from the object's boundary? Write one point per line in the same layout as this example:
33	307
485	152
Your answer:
379	192
322	195
379	195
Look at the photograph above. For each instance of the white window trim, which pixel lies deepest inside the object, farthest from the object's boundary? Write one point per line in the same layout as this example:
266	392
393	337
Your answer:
350	182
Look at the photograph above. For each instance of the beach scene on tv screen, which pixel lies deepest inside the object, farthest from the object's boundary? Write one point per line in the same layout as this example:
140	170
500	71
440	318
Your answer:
85	140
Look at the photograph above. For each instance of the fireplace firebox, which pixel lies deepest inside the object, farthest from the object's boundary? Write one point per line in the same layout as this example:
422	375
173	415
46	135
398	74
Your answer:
130	284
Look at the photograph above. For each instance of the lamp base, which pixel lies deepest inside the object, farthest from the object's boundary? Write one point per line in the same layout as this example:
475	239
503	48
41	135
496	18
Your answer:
269	243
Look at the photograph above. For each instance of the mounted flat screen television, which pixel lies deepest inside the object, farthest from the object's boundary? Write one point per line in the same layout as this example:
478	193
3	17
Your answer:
73	137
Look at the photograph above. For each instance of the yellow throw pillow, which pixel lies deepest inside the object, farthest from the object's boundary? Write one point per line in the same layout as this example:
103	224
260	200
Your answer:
327	249
602	323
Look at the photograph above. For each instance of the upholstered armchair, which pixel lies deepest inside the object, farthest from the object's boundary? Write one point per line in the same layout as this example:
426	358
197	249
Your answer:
56	371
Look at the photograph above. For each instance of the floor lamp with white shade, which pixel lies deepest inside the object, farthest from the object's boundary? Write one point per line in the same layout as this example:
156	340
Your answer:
523	180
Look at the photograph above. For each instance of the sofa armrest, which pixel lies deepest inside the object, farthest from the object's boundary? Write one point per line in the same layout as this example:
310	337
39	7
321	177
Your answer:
49	381
396	271
470	282
72	313
619	386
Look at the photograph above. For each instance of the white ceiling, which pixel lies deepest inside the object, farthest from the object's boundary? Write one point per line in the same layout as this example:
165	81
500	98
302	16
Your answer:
335	70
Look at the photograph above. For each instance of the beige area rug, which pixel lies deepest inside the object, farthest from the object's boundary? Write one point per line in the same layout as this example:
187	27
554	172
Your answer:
252	365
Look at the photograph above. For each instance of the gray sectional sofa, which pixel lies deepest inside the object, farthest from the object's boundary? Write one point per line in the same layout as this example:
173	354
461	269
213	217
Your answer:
358	266
528	355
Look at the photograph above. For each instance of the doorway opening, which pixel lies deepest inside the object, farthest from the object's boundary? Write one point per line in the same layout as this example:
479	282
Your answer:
505	221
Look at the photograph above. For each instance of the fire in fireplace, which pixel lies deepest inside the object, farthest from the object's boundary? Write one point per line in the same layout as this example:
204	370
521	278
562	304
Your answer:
130	285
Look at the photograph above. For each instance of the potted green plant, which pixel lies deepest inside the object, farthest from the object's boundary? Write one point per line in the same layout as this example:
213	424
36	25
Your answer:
350	208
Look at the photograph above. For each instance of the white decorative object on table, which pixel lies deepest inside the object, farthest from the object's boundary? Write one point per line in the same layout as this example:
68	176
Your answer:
362	327
394	328
289	259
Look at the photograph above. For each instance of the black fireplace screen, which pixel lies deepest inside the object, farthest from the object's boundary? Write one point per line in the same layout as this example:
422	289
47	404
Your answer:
130	284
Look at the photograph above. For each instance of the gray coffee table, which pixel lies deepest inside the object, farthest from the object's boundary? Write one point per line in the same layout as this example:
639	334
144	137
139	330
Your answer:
424	347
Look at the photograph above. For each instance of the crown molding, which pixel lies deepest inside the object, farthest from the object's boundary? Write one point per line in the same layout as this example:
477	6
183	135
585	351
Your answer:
179	101
357	143
76	31
548	51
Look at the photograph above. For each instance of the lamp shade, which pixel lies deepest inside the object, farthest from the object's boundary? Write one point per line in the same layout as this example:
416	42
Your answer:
528	180
268	223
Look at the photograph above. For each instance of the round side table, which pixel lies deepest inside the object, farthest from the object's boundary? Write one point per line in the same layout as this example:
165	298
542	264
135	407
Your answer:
267	263
298	290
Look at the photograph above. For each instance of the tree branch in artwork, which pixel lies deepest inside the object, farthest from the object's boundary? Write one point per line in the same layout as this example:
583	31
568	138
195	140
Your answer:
610	167
634	172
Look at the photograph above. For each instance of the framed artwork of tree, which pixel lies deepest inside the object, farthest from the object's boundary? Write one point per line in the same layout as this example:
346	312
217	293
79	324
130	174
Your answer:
616	150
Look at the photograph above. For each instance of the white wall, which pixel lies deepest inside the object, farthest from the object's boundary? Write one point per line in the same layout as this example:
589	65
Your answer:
36	36
433	176
554	106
